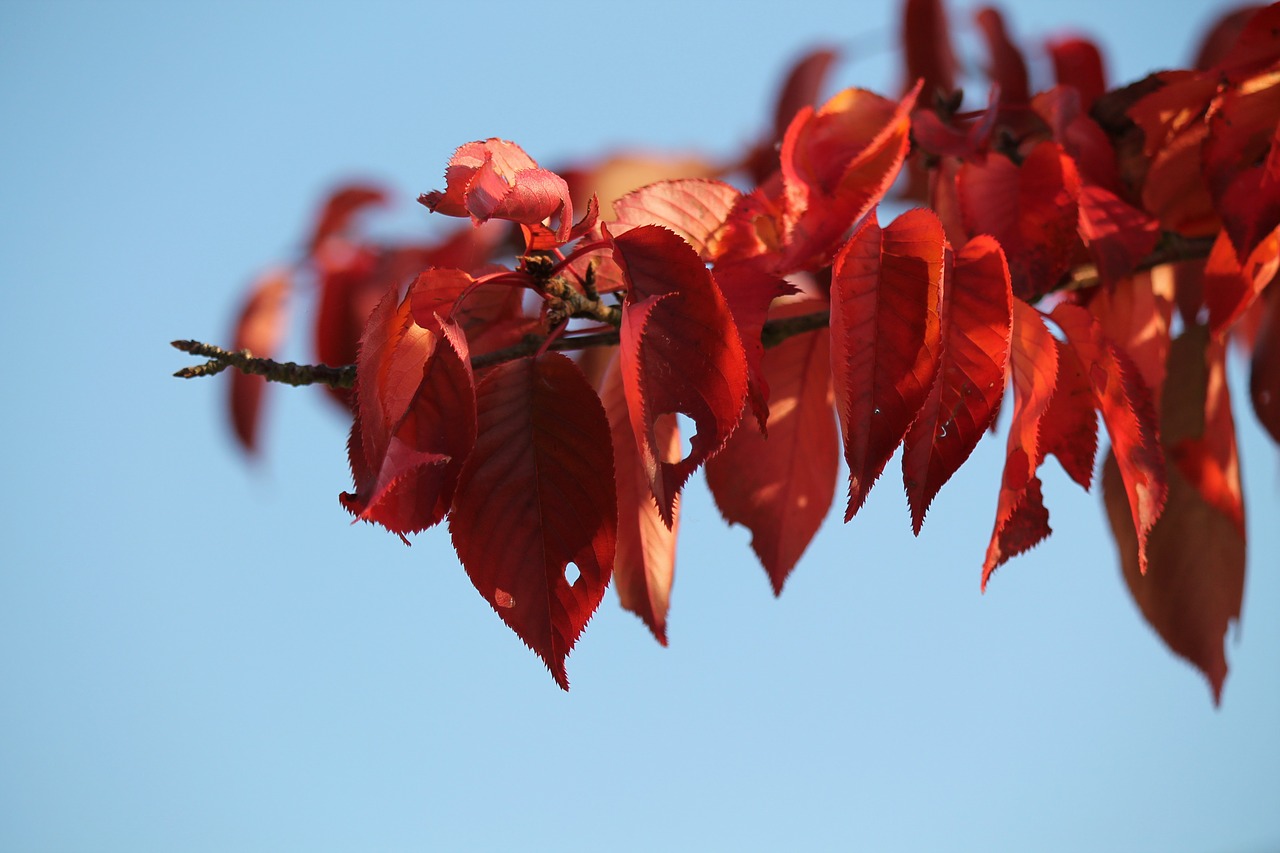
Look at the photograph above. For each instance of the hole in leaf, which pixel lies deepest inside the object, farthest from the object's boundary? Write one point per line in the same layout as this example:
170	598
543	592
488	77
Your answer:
571	574
670	451
502	598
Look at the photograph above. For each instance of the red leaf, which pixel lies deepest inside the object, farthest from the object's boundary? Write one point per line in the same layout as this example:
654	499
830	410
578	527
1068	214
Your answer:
749	289
800	89
693	208
781	488
416	420
644	568
1126	409
496	179
1231	287
1077	62
1192	589
1118	235
258	330
1030	209
680	353
927	46
1069	427
536	495
976	322
1136	314
885	290
1264	374
837	163
340	209
1021	519
1007	66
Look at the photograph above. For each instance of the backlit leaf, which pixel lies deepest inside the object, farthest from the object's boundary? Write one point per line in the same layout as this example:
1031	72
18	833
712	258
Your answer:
780	488
976	322
680	354
885	338
535	496
644	567
258	330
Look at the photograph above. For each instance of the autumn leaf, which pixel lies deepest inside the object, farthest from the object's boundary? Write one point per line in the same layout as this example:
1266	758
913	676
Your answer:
885	338
1230	286
837	163
976	322
749	289
1021	518
1069	427
781	487
1125	403
926	43
341	207
415	419
1137	315
644	567
681	353
496	179
1007	66
259	329
1264	367
1030	209
693	208
1193	583
1077	62
535	498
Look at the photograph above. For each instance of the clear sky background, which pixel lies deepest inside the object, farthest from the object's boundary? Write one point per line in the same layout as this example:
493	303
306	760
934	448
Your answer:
201	655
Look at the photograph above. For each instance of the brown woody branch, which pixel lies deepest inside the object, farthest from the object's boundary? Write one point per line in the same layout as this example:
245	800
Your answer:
567	301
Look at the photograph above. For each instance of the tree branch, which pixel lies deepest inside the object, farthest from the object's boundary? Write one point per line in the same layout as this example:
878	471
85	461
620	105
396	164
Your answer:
1172	248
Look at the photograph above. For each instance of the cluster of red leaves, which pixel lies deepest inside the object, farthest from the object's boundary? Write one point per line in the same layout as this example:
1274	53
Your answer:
1062	230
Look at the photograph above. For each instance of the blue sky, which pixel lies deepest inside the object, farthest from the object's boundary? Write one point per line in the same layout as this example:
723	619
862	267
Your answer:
199	654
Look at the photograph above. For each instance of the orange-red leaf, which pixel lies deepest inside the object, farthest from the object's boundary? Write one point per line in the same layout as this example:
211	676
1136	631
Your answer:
1125	403
1117	234
496	179
644	567
1021	519
340	209
780	488
415	419
1069	427
1137	314
1031	209
1192	587
885	337
258	330
837	163
1230	287
681	353
976	322
693	208
749	289
535	496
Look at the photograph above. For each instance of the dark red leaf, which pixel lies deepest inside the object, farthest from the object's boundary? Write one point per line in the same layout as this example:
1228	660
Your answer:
1007	66
416	419
749	289
1118	235
536	495
644	568
781	488
1192	586
976	322
1069	427
1031	209
886	337
258	330
1077	62
680	354
1264	374
926	45
1021	519
1125	403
